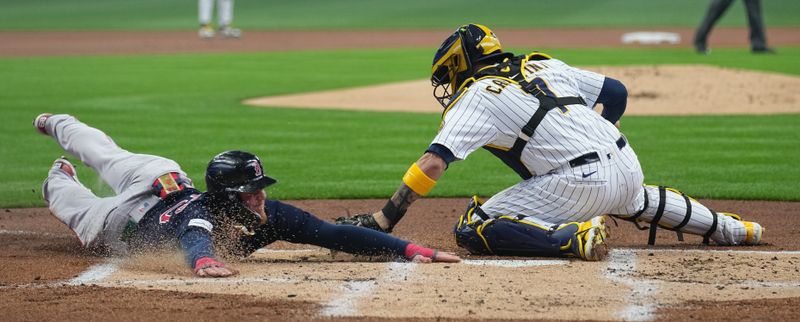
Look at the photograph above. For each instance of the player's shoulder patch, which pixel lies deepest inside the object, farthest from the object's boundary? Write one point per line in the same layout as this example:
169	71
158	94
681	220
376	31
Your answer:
202	223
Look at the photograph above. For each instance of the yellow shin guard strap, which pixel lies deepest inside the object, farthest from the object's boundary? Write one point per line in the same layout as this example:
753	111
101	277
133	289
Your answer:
418	181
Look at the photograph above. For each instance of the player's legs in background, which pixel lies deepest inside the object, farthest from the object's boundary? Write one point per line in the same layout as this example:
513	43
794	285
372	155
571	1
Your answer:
715	11
204	10
225	18
225	12
758	37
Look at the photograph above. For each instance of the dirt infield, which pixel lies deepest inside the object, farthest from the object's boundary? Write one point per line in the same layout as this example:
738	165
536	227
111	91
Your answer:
109	42
43	267
46	276
652	90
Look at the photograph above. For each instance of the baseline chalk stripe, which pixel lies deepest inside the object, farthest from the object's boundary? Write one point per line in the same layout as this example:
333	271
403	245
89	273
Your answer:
191	281
514	263
304	250
345	303
724	251
640	303
96	273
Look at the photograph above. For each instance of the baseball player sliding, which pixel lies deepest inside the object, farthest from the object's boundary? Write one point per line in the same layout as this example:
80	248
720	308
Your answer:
156	205
535	113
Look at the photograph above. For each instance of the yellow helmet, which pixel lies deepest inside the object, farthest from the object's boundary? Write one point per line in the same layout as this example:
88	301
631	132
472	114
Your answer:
455	60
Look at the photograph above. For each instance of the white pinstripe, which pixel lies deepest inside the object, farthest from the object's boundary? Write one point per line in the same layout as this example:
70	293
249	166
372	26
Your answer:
558	193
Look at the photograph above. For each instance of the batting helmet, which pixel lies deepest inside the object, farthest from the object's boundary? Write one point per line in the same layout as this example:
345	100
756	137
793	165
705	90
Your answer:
458	55
228	174
236	171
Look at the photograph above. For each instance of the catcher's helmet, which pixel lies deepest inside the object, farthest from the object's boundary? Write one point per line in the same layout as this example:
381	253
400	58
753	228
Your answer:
236	171
456	58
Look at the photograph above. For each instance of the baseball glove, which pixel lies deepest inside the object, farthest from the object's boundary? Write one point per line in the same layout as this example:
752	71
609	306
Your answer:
361	220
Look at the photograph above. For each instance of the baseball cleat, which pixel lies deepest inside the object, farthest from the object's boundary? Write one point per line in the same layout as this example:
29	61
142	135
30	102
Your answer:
754	230
205	32
591	237
230	32
65	166
40	121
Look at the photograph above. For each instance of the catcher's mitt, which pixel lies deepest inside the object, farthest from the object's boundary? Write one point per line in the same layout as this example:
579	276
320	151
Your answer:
361	220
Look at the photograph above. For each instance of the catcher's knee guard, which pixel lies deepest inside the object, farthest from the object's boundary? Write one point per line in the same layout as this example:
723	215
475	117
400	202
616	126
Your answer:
511	236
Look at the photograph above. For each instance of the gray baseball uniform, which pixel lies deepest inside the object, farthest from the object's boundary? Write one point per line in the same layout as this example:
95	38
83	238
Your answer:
100	221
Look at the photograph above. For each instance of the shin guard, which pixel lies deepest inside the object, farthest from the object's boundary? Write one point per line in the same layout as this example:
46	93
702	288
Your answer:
673	210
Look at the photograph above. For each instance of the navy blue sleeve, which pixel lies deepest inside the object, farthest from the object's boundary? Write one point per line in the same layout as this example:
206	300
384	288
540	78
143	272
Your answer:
193	228
292	224
614	97
196	243
443	152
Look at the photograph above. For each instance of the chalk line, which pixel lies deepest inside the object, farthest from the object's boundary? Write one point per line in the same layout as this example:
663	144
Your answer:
346	302
96	273
514	263
304	250
639	303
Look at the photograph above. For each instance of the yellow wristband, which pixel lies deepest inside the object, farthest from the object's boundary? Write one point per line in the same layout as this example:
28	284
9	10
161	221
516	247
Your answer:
418	181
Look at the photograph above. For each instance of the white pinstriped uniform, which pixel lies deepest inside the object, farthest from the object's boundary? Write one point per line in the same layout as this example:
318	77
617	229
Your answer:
559	193
224	11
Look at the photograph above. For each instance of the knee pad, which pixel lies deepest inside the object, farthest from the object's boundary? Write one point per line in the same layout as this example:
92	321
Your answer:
510	236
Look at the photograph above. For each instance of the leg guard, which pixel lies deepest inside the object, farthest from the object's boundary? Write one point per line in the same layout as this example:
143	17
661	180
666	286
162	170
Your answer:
512	236
671	209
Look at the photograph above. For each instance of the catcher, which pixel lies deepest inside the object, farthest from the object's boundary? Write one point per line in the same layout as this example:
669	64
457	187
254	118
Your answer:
156	205
535	113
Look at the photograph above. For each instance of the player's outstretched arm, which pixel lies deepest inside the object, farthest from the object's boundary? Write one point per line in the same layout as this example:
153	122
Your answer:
197	245
420	254
295	225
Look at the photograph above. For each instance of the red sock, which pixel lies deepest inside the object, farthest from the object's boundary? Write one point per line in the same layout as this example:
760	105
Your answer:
414	250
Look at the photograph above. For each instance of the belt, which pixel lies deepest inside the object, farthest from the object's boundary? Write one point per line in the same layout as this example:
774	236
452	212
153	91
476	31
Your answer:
170	183
593	157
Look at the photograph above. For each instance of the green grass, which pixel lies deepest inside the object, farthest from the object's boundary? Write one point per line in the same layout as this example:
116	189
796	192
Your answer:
186	107
371	14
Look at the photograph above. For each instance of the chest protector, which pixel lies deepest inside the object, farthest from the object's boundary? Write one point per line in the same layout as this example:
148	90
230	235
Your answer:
512	70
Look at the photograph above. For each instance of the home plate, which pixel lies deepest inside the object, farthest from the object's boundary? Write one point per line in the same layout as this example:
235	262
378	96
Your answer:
514	263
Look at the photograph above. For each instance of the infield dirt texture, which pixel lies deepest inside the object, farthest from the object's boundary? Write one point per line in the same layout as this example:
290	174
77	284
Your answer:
46	276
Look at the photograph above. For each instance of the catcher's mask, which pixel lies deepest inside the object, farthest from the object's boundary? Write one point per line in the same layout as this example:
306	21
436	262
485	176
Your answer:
230	173
456	58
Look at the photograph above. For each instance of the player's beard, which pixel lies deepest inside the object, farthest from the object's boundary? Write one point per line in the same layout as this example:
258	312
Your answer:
255	203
